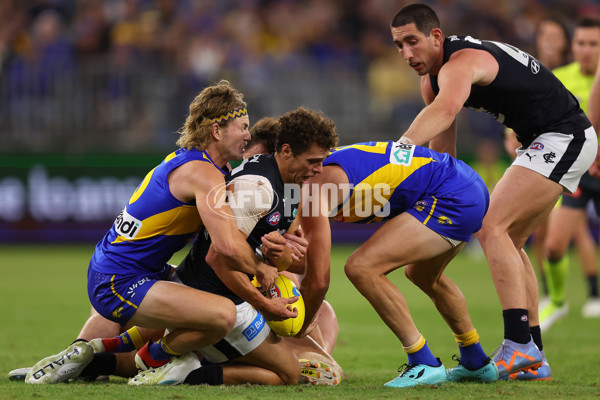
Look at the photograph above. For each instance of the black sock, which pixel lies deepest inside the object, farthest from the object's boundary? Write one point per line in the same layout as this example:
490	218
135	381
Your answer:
101	364
211	374
536	335
593	285
516	325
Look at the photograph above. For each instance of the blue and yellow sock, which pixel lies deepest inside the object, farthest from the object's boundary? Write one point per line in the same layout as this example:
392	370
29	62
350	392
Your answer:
161	351
419	353
472	356
125	342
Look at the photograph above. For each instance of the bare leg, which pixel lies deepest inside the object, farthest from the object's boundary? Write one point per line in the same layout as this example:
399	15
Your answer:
519	203
271	363
200	318
97	326
368	266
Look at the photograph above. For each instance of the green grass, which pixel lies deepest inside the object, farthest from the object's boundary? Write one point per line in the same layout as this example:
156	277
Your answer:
44	303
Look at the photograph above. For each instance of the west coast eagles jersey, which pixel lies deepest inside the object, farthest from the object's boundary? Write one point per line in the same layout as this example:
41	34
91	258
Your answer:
153	225
388	178
278	215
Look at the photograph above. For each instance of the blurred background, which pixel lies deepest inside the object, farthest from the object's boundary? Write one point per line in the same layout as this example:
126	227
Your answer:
92	92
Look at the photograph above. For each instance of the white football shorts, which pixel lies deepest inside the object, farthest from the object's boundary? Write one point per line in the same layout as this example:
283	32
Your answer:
249	332
559	158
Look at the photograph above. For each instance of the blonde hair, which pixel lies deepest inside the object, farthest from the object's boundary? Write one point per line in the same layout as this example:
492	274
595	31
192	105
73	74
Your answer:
212	103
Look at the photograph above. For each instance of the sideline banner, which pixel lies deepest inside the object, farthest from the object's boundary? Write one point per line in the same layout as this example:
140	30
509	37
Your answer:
58	198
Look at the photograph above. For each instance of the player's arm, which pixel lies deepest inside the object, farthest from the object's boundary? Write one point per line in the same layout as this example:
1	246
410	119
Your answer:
252	197
465	68
274	309
204	183
315	224
292	255
445	142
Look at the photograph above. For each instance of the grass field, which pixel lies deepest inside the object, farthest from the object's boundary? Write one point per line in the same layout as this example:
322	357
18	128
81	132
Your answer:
44	303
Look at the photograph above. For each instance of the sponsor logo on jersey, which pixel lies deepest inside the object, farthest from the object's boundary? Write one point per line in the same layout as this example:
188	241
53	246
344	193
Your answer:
131	289
274	218
535	66
536	146
126	225
402	153
254	328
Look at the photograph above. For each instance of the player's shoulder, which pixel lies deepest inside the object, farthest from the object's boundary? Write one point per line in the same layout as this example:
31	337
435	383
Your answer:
259	164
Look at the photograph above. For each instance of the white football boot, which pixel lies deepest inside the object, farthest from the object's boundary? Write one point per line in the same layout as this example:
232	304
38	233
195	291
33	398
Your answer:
63	366
172	373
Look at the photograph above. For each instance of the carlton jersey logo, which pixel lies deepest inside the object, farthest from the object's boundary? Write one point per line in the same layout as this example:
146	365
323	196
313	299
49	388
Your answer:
126	225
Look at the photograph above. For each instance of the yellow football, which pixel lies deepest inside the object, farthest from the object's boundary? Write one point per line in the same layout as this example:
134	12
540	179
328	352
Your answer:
284	287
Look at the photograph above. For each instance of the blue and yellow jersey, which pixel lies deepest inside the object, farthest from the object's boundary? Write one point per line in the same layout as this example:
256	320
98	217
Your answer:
388	178
153	225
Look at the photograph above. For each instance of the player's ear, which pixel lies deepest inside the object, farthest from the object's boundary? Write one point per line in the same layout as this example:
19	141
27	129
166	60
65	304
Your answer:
215	131
286	151
437	36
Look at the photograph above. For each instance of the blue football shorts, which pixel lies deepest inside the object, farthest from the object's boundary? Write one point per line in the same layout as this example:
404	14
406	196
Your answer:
456	214
117	297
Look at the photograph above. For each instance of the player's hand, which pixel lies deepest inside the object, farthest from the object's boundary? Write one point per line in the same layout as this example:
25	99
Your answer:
273	244
266	275
279	308
297	243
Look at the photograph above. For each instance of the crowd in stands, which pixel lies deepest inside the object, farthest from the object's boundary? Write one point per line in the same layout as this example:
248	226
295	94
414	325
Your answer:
199	41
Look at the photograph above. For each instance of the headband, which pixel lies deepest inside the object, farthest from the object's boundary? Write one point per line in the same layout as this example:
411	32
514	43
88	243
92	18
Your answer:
238	112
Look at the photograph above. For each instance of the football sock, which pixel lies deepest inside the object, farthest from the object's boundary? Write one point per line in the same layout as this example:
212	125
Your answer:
125	342
516	325
556	276
211	375
156	354
101	364
593	285
536	335
472	356
419	353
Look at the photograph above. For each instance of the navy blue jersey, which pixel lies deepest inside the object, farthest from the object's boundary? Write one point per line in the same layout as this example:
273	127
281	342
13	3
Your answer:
194	271
525	95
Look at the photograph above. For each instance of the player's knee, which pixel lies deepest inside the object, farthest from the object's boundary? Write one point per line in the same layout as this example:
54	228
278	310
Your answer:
426	285
356	269
223	319
489	232
554	253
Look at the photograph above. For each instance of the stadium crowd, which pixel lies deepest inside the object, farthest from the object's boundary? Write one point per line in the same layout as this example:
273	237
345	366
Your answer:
129	68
